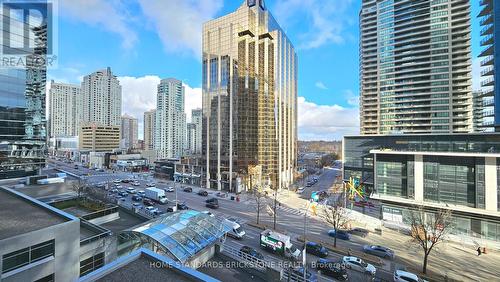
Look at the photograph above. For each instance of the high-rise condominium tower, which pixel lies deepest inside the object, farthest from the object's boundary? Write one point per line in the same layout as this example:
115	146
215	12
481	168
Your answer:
23	125
65	109
249	100
490	32
194	130
149	129
170	123
415	66
129	131
102	98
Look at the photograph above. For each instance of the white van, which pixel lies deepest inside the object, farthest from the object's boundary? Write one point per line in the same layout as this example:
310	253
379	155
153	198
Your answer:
236	230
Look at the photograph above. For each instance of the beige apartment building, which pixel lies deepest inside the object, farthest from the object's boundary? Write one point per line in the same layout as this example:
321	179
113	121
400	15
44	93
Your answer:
99	138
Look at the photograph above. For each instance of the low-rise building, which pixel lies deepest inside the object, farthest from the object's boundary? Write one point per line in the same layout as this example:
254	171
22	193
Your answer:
99	138
459	172
37	242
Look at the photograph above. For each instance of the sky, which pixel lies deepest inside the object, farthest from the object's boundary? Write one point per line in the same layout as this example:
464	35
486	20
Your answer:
144	41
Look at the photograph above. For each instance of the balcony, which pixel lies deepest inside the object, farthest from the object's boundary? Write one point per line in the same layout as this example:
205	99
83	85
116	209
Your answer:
486	30
487	61
488	71
487	93
489	113
486	19
487	40
488	82
486	52
487	7
489	103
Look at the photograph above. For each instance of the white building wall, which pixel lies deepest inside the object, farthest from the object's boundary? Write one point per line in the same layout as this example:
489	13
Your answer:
65	109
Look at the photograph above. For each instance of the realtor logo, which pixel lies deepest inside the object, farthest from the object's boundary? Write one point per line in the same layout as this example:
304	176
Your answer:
28	33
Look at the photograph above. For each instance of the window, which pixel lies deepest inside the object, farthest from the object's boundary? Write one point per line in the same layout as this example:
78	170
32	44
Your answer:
91	264
48	278
26	256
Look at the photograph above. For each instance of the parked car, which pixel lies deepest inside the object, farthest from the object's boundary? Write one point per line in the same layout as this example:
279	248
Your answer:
150	184
208	213
203	193
125	180
137	205
300	190
158	212
212	205
116	181
359	232
136	183
404	276
179	207
136	198
169	189
251	252
210	200
188	189
221	194
359	265
341	234
332	268
123	194
316	249
379	251
114	190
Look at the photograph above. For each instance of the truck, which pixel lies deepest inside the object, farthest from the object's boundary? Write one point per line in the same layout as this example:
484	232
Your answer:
236	231
157	195
279	243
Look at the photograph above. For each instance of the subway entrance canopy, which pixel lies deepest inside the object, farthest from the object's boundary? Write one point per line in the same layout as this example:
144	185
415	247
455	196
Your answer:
180	235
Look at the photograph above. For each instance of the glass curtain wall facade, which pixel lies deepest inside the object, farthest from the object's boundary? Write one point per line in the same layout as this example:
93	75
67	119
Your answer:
249	74
415	66
23	134
490	85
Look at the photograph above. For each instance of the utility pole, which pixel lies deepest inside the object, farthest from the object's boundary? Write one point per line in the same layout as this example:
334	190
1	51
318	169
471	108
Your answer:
275	204
305	241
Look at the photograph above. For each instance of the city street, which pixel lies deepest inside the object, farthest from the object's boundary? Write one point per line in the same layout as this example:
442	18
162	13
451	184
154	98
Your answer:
290	217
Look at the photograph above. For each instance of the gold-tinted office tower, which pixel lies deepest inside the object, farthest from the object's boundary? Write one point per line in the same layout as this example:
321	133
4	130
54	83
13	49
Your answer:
249	101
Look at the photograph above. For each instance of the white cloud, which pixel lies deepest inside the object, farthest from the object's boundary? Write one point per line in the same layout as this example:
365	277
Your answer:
179	23
352	99
139	95
325	18
321	85
109	15
326	122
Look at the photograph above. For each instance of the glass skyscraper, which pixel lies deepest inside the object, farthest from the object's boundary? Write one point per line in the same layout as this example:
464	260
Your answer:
249	100
415	66
23	136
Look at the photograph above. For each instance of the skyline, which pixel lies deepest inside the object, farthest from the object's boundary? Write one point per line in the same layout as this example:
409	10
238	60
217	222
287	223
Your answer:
147	48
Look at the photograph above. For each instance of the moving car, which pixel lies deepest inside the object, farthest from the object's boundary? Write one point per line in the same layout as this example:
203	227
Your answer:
341	234
251	252
151	209
137	205
212	205
179	207
136	183
123	194
131	190
332	268
300	190
136	198
379	251
236	229
359	265
203	193
404	276
212	200
142	193
151	184
316	249
188	189
359	232
169	189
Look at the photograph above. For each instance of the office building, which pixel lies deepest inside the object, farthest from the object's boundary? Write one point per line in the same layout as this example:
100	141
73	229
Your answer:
415	66
490	32
96	137
65	109
459	172
149	129
23	131
37	242
129	132
102	98
170	121
194	130
249	71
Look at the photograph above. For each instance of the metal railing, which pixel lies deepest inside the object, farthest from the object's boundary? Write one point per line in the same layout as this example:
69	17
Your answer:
103	232
248	260
100	213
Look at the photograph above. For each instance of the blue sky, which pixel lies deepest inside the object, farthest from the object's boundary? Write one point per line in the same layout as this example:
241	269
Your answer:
145	40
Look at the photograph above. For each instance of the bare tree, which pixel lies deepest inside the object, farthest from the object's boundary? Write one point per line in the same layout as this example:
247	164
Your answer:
429	230
259	198
335	215
81	188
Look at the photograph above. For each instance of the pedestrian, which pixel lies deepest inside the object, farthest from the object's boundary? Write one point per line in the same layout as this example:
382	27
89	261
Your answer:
478	251
349	252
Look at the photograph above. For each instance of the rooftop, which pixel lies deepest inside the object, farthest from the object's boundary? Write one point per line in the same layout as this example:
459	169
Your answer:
145	265
21	214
